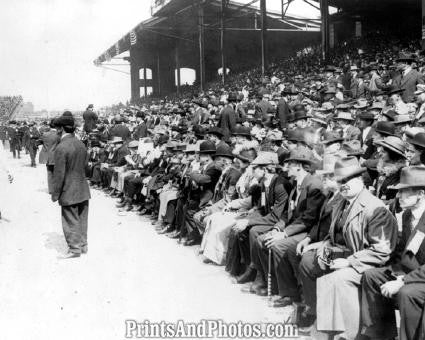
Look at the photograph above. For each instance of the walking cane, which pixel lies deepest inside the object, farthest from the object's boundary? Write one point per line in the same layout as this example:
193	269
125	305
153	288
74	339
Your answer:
269	278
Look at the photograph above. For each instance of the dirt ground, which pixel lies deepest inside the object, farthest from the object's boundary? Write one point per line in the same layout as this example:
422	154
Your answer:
130	272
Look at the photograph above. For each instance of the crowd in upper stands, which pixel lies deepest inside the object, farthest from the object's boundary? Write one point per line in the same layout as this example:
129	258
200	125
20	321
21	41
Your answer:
307	184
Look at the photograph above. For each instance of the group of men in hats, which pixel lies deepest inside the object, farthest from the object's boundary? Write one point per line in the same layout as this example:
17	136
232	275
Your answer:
294	182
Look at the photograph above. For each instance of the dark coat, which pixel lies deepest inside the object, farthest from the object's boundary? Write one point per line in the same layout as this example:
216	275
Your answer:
206	182
120	130
306	212
274	205
321	229
227	120
90	120
404	261
140	131
49	140
408	83
282	113
69	181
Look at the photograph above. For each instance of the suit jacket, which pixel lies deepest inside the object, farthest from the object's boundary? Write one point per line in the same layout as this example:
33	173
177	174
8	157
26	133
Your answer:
141	131
282	113
404	260
90	120
307	210
275	207
69	179
206	181
227	120
49	140
370	231
321	229
408	83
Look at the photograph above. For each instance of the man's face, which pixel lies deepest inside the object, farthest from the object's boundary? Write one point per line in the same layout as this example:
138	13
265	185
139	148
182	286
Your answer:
329	182
259	172
293	169
351	188
409	197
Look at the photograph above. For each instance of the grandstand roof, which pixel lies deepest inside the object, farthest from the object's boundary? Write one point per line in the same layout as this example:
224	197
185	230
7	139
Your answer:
179	18
359	5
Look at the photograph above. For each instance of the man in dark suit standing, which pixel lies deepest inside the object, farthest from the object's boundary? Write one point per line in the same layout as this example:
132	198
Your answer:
70	187
50	140
90	119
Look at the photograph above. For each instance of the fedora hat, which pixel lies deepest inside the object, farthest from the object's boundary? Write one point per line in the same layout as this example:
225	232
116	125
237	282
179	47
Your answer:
390	114
301	154
406	57
214	130
116	139
301	114
242	131
411	177
348	167
366	116
395	91
266	158
64	121
418	140
361	104
376	106
394	144
385	128
332	137
344	116
353	148
207	147
402	119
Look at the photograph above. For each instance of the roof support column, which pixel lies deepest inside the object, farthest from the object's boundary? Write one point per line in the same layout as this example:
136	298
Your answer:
158	74
145	85
423	25
222	40
134	77
178	69
324	11
263	37
201	44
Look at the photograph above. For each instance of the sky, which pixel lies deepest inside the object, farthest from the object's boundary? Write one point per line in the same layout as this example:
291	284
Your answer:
48	48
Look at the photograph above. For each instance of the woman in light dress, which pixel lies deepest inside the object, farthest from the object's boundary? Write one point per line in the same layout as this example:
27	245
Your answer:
218	225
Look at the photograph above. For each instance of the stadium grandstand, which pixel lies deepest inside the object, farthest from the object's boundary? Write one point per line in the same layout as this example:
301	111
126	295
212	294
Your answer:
10	106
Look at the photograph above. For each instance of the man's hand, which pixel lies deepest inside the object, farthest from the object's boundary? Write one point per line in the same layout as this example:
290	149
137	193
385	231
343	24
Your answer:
273	238
302	245
339	264
240	225
391	288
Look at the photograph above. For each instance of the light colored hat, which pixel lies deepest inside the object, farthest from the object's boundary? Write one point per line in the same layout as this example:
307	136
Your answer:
344	116
347	167
301	154
394	144
266	158
420	89
411	177
133	144
116	139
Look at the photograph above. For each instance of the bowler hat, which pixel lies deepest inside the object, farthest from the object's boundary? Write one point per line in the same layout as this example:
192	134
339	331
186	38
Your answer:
242	131
418	140
394	144
301	114
395	91
390	114
385	128
214	130
207	147
65	121
224	150
411	177
348	167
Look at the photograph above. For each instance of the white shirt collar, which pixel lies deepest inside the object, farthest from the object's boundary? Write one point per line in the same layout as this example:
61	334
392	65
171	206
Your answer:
418	211
407	70
65	134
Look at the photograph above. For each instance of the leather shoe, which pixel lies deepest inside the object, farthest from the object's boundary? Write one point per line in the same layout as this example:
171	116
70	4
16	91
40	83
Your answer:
246	277
190	242
121	205
69	255
283	302
174	234
84	250
129	208
167	229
